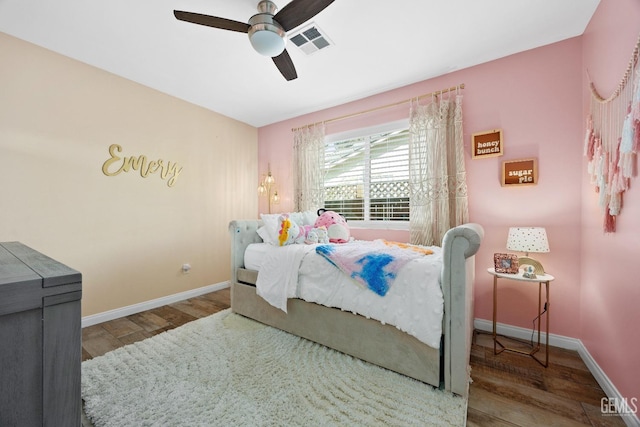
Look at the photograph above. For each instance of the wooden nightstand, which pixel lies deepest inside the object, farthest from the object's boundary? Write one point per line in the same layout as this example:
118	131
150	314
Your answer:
540	279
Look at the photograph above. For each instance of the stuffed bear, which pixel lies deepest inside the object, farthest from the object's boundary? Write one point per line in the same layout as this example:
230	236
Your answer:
336	225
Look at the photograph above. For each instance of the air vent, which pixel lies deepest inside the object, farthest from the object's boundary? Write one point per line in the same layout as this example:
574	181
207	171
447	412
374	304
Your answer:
310	39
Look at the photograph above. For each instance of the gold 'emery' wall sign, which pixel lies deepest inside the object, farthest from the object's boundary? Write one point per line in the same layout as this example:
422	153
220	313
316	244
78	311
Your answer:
116	164
519	172
486	144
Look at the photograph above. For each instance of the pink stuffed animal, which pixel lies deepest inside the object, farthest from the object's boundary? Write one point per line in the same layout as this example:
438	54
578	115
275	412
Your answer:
336	225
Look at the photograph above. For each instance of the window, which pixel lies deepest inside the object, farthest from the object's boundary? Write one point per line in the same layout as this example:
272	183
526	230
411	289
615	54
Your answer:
366	175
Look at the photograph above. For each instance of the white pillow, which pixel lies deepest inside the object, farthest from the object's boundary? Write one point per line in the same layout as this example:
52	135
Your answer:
309	217
297	217
264	234
270	222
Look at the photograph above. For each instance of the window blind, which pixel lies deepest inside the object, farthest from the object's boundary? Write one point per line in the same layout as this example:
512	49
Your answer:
367	177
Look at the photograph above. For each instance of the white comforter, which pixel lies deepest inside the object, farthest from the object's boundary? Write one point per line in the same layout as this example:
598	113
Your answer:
414	304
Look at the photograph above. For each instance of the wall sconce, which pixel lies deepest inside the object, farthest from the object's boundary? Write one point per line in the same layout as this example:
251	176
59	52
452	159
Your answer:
267	188
528	239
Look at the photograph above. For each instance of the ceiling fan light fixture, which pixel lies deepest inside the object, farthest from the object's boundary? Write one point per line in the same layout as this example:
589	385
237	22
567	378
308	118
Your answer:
266	35
267	42
266	29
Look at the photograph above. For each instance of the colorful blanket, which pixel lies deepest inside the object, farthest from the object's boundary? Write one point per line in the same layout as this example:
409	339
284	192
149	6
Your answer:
372	264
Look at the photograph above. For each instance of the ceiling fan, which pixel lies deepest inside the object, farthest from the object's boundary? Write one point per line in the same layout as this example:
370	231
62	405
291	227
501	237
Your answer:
267	29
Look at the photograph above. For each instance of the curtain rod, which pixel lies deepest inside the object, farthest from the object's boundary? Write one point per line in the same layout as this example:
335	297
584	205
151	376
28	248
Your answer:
383	107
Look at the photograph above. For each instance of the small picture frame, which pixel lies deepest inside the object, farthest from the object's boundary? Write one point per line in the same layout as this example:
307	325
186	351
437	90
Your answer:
486	144
506	263
517	173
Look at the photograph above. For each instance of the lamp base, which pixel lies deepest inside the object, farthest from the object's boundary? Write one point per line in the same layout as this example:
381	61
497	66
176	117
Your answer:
537	267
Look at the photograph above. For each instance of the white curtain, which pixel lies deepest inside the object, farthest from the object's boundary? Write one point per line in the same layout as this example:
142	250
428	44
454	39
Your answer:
308	165
437	176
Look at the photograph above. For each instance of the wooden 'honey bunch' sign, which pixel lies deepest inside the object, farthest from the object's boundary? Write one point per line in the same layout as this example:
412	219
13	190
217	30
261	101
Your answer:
487	144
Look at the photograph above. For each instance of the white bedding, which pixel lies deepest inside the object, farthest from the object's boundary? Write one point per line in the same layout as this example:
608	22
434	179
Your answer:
414	304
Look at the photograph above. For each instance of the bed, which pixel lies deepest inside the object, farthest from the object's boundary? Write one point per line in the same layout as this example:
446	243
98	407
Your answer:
368	339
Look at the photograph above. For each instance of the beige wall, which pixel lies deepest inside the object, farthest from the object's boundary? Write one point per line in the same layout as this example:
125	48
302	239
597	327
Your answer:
128	235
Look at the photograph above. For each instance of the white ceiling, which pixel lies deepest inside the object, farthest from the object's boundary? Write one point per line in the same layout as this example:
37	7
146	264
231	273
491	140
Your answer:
377	46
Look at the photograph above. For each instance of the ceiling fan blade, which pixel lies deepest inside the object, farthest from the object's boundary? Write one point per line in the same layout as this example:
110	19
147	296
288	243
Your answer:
299	11
285	65
212	21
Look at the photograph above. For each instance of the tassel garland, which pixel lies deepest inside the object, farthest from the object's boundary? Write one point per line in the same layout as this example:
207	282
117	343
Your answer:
612	142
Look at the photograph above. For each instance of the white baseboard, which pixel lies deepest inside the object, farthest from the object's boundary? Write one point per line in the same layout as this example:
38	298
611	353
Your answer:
525	334
94	319
631	415
630	418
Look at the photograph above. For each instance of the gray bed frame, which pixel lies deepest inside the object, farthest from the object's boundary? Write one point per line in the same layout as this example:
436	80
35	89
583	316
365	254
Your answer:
368	339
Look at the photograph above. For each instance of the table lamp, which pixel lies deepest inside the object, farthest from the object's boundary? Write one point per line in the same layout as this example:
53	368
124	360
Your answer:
528	239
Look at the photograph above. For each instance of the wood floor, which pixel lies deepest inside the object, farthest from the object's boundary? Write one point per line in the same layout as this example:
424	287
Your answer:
507	390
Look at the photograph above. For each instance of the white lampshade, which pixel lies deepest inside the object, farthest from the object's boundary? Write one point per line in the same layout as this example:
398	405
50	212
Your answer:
527	239
267	42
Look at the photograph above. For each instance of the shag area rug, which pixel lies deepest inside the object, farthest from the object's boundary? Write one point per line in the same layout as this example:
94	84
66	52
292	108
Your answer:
227	370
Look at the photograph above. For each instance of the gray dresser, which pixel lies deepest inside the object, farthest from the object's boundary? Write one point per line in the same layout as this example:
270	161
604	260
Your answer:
40	339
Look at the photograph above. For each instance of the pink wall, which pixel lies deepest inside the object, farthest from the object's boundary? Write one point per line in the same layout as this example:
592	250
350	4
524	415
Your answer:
539	99
610	289
536	98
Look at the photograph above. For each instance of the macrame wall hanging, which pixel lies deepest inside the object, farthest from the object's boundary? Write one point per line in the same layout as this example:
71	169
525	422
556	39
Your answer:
612	141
